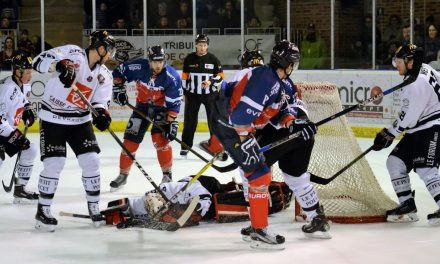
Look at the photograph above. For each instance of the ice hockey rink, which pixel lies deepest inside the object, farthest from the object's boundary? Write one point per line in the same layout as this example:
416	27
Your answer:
76	241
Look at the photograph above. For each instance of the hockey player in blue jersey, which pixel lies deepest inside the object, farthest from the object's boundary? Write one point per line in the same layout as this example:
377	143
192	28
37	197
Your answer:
159	96
263	95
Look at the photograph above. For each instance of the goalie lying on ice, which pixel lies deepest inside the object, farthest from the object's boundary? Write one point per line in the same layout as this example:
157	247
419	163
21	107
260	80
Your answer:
224	202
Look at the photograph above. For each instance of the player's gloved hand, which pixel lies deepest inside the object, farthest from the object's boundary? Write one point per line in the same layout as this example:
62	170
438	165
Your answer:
216	81
307	128
171	131
251	154
29	116
120	94
103	120
66	68
18	140
383	140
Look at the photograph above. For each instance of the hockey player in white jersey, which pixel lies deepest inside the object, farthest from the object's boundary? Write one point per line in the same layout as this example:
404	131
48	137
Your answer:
65	118
14	107
419	149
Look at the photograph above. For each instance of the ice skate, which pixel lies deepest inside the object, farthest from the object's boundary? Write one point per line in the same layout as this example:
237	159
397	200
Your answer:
204	145
434	218
44	219
119	182
167	177
318	227
266	239
406	212
95	214
22	196
246	233
184	154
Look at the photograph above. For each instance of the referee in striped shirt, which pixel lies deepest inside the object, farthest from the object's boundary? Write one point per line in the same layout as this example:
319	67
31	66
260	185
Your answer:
199	68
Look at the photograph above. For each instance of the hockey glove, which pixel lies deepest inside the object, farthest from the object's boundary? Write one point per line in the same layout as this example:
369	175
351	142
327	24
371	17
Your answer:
171	132
216	81
29	116
103	120
18	141
66	68
120	94
383	140
306	127
252	158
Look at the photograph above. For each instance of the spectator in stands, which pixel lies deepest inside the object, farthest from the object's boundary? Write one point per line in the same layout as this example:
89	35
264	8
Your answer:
432	44
36	40
121	27
313	50
392	30
184	17
406	36
25	45
229	16
391	51
7	54
102	16
254	22
276	23
5	24
365	42
164	23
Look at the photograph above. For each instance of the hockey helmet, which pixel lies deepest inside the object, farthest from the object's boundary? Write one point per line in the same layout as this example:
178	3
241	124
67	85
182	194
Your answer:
156	53
283	54
251	59
202	38
21	62
407	53
100	38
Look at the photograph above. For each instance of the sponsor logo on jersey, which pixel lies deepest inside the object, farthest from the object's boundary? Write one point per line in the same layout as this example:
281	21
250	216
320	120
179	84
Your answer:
274	90
56	101
90	79
101	79
14	94
193	65
17	116
252	112
209	66
73	98
134	67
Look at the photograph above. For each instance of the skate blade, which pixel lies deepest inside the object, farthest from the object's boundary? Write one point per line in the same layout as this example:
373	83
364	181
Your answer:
43	227
318	235
246	238
115	189
255	244
405	218
183	157
98	224
24	201
434	222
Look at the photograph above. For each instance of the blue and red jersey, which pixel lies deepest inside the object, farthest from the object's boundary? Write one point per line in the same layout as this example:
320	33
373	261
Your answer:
163	90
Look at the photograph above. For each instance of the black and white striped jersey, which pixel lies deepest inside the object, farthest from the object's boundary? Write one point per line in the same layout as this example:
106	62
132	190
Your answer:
197	69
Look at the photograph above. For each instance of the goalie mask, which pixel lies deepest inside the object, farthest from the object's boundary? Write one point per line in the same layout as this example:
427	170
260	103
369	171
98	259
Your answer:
154	202
251	59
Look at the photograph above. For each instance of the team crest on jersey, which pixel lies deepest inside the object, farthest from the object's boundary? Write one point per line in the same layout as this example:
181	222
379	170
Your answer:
89	79
73	98
209	66
17	116
101	79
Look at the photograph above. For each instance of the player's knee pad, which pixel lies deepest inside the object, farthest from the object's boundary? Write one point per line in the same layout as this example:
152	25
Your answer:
432	180
160	142
260	184
89	163
28	155
304	191
53	167
399	176
130	146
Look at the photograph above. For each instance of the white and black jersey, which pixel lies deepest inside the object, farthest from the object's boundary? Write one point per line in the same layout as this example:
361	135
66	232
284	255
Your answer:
420	103
61	105
197	69
12	101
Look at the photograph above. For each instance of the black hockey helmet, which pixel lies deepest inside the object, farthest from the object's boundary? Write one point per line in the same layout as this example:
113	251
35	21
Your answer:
100	38
251	59
283	54
410	52
202	38
21	62
156	53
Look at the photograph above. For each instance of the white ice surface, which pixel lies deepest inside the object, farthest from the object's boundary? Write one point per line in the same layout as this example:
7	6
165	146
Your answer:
76	241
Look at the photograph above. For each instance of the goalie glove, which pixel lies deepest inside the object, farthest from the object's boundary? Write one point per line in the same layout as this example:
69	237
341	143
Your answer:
383	140
307	128
102	120
66	68
120	94
29	116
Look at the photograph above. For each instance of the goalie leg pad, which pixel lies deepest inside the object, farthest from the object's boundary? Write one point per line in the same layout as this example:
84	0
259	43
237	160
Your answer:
399	178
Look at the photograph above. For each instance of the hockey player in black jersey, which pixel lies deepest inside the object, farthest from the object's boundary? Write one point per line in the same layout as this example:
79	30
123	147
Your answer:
65	118
419	149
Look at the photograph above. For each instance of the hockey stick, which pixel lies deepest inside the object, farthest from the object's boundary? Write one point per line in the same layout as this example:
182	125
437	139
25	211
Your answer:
11	183
227	168
194	179
112	133
74	215
324	181
343	112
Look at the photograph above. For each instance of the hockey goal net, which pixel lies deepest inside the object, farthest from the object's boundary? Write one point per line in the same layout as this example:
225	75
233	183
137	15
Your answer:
354	196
